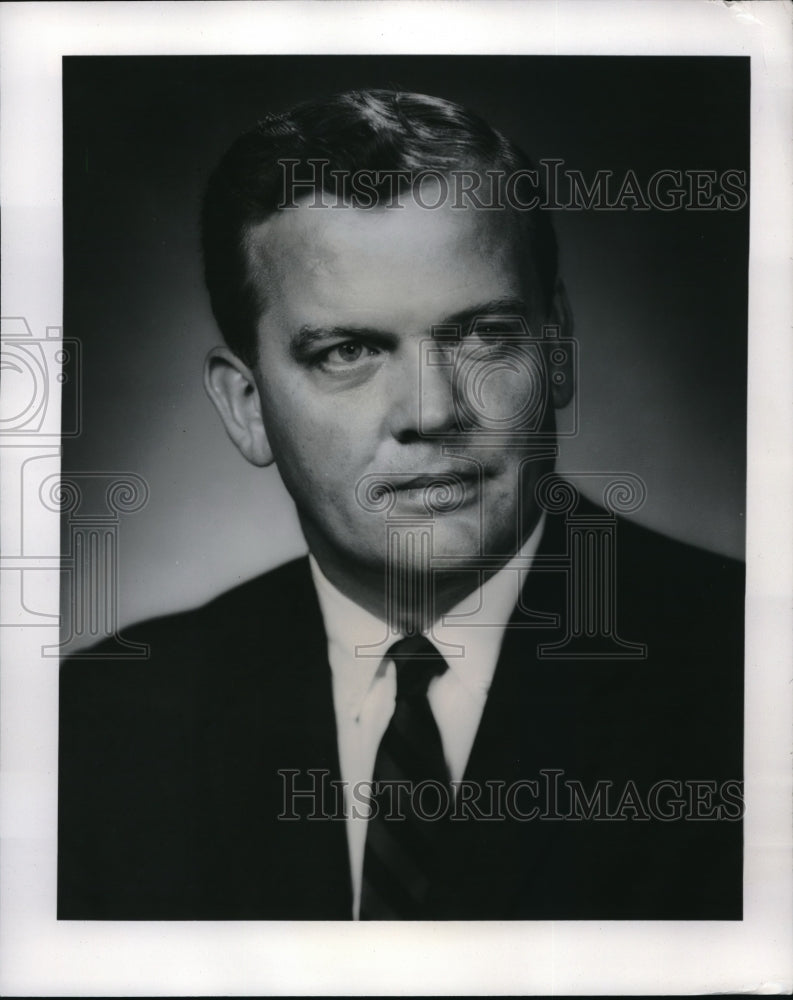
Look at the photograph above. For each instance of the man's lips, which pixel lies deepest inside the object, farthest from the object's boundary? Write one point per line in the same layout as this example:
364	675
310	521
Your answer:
436	480
439	492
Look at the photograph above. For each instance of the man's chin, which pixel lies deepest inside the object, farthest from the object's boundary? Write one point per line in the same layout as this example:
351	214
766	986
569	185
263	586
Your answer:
451	542
414	546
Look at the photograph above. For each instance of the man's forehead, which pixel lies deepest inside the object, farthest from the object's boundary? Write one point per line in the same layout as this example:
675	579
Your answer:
332	239
398	271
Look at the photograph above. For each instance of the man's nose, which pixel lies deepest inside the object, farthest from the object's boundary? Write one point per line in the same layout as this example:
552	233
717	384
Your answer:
421	396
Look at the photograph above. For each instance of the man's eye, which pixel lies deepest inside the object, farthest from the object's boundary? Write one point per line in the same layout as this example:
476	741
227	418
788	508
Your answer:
492	329
345	355
349	352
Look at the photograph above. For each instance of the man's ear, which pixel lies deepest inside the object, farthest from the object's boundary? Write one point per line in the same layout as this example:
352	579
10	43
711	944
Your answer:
232	388
561	361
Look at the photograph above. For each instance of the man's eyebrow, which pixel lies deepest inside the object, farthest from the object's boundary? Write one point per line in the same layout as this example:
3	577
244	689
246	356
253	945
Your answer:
495	307
307	336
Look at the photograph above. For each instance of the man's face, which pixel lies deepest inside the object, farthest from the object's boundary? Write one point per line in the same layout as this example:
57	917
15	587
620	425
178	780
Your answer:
347	396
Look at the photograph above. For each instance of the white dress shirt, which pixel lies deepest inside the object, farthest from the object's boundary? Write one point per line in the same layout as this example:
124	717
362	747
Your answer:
364	680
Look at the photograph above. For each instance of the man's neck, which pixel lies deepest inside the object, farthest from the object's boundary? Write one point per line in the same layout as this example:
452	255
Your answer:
382	592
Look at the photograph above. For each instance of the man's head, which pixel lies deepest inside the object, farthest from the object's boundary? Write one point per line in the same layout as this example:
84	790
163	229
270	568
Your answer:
396	136
331	307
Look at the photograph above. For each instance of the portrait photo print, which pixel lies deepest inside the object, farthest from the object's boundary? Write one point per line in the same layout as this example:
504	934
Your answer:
403	488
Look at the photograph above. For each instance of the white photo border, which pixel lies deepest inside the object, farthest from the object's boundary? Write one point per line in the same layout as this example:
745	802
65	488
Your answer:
42	956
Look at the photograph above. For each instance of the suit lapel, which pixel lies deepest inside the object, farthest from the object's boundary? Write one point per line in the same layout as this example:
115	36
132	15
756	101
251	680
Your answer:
505	864
272	736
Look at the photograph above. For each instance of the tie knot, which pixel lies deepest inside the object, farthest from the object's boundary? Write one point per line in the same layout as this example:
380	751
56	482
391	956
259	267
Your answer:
417	662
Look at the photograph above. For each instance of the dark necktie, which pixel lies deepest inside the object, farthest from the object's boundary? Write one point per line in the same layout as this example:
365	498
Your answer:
411	795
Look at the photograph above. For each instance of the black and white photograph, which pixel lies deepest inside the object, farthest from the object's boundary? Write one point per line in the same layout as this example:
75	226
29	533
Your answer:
401	490
486	691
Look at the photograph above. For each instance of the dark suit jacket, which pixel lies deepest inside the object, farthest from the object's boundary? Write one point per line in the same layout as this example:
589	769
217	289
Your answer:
169	769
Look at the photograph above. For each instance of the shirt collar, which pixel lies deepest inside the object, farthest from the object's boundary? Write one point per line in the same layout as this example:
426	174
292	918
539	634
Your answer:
469	635
357	641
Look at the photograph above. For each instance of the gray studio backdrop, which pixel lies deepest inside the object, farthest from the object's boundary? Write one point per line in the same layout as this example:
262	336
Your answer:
659	296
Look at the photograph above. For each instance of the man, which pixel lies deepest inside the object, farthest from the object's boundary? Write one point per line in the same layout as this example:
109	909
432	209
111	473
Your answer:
480	697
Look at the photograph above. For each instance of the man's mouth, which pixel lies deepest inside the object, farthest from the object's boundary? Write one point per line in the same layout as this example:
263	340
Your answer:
439	479
438	492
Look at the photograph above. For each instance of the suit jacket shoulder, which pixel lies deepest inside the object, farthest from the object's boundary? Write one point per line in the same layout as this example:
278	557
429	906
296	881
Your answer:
618	701
170	768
